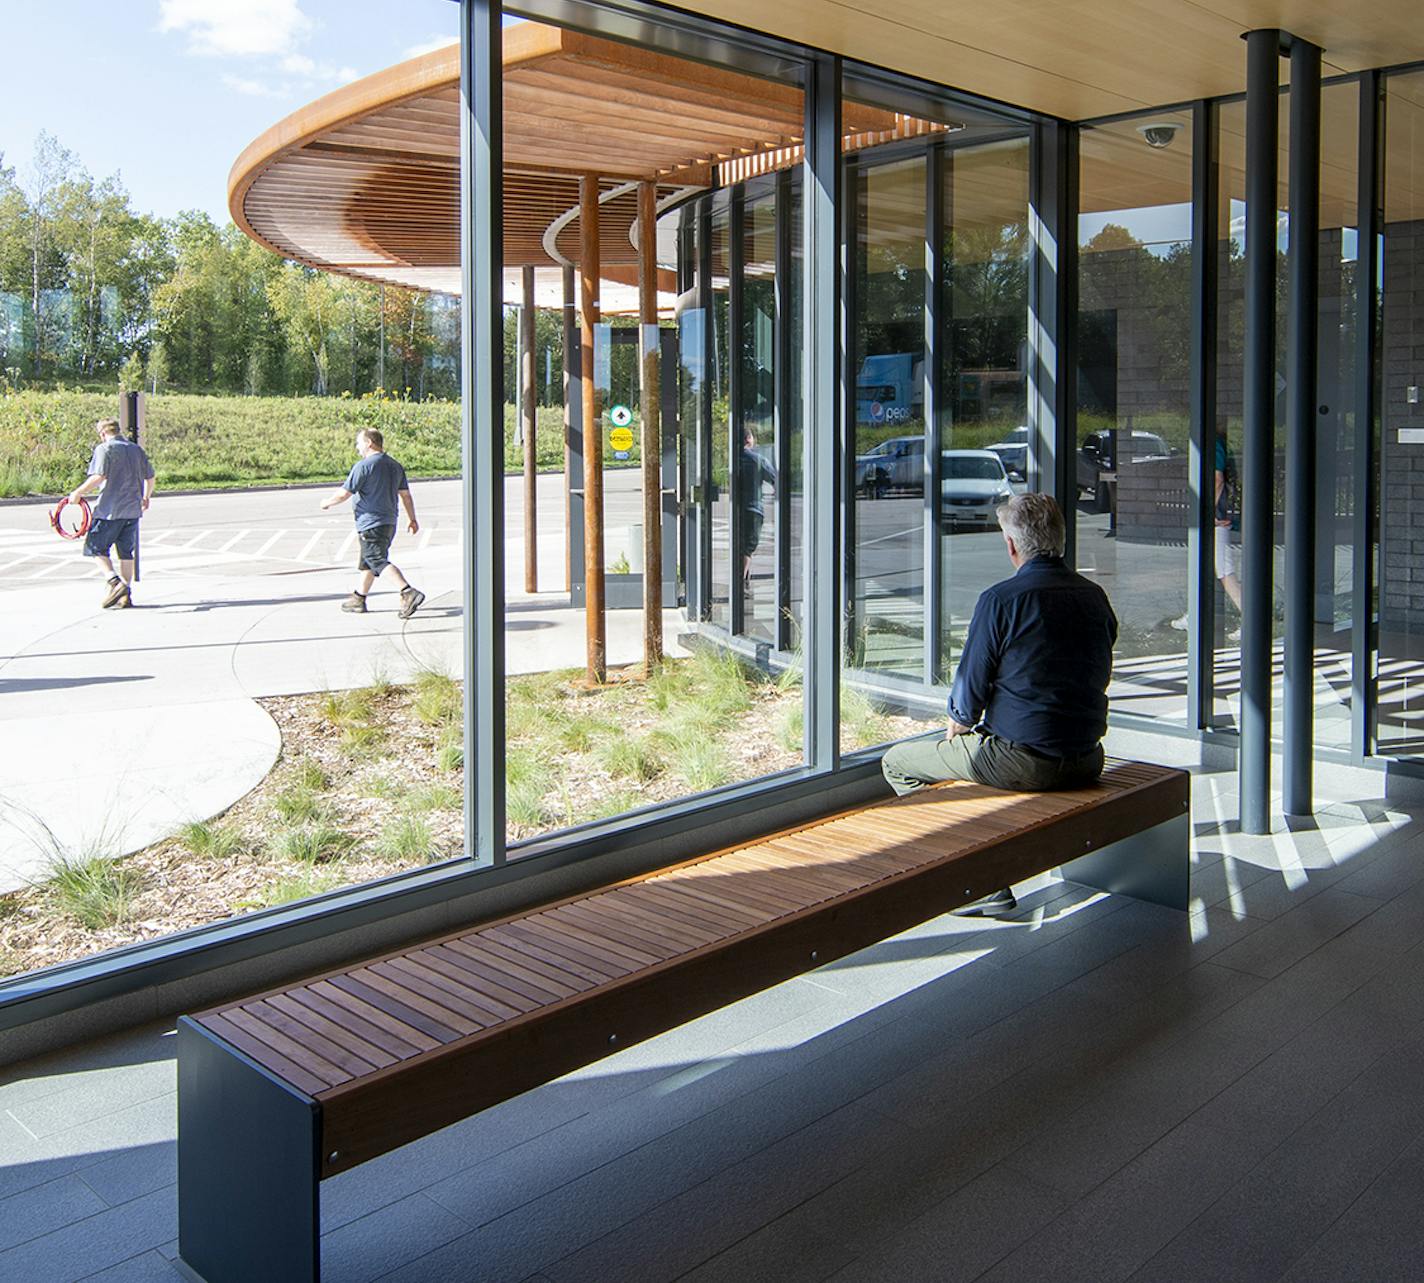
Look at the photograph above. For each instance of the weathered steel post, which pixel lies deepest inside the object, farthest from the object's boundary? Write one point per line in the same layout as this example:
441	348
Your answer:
528	423
595	624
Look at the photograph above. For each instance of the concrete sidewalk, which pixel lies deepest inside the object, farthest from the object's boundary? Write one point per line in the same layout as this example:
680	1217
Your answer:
118	727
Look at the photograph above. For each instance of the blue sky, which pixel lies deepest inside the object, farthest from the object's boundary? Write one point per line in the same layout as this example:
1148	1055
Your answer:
169	92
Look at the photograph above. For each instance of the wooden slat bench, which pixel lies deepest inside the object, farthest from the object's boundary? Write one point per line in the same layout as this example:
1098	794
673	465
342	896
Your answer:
281	1090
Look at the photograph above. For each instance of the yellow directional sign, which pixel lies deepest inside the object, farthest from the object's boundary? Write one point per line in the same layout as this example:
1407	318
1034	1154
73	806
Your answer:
621	438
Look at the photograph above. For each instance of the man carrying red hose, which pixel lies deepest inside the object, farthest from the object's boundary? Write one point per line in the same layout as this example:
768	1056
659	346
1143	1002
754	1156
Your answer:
123	469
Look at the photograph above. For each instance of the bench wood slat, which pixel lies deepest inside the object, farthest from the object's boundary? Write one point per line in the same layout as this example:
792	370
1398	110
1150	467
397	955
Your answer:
296	1033
466	1016
388	997
617	918
343	1000
536	948
668	902
559	943
507	989
665	925
265	1055
351	1039
571	921
420	972
483	951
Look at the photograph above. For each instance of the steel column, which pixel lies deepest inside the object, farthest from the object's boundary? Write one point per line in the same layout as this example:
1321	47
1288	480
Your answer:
937	164
1364	636
1258	424
650	401
736	410
708	304
595	623
1053	319
784	412
1201	462
482	421
1298	732
822	383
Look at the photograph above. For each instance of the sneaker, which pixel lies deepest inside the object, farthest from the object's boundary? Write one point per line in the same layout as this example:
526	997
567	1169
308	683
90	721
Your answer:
354	604
124	600
410	601
117	588
1234	635
1181	623
991	906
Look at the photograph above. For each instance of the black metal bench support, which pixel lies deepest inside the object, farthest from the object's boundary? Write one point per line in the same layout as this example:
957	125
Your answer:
248	1166
1152	865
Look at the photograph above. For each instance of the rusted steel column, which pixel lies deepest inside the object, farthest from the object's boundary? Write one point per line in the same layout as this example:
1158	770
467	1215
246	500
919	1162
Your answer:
569	359
650	396
592	436
529	420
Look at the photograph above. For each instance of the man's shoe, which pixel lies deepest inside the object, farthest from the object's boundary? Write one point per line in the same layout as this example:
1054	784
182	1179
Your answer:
125	599
410	601
354	604
117	588
991	906
1181	623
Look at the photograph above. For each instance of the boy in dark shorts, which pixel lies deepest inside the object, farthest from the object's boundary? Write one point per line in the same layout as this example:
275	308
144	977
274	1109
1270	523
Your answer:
377	481
123	469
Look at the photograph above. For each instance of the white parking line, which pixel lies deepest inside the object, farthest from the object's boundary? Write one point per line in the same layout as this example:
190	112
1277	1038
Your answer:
268	544
235	540
346	546
194	542
311	543
425	537
53	566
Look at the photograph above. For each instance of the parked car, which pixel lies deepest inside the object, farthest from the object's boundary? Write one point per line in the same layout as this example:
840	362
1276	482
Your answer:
1106	450
1013	450
973	483
897	463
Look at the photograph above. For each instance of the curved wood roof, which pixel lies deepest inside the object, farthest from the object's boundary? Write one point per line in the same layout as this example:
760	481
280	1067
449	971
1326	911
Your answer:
364	181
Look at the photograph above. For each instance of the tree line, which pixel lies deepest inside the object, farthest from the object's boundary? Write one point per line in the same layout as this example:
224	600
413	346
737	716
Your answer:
92	291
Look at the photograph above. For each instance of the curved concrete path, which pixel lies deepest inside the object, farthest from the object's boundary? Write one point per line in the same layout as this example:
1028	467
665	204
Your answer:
119	727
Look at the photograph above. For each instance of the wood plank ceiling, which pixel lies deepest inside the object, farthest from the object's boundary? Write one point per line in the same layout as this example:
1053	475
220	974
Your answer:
365	180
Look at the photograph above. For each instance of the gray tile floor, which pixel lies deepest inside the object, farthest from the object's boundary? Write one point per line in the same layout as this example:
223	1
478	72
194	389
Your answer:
1098	1090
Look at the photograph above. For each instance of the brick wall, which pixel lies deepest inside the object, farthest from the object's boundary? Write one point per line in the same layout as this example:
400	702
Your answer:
1402	466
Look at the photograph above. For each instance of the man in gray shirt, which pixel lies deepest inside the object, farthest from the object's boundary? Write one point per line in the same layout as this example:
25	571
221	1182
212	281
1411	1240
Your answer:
123	469
378	483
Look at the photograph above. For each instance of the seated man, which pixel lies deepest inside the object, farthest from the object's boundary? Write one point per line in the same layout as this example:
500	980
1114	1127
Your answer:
1029	702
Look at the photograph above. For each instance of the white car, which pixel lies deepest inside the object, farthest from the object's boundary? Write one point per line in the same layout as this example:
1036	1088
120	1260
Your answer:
973	483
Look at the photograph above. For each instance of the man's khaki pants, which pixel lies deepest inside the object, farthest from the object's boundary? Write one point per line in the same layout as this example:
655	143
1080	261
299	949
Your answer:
986	759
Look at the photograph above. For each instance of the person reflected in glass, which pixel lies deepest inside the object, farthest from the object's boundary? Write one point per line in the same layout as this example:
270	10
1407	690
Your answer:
1029	706
1227	532
752	472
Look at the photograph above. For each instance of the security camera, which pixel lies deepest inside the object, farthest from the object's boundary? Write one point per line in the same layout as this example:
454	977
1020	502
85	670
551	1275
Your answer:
1160	133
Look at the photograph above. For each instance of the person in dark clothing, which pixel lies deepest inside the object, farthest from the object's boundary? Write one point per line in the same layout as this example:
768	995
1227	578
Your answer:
1028	707
752	471
377	481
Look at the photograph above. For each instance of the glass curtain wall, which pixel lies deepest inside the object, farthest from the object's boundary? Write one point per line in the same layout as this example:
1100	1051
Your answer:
1333	501
1134	397
279	735
1400	729
723	704
935	226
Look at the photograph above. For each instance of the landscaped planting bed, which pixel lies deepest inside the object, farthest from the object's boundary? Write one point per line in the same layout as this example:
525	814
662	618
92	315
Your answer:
370	783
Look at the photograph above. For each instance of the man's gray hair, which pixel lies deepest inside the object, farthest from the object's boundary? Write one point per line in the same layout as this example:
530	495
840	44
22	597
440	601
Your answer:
1035	524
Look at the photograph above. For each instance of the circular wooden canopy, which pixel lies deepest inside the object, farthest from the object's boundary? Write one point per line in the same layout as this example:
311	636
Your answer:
365	181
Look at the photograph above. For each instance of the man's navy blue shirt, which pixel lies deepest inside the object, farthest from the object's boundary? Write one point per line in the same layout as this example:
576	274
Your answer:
1037	660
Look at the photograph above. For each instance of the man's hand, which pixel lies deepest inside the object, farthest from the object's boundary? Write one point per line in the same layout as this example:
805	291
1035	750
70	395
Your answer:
957	728
144	503
334	498
74	498
413	525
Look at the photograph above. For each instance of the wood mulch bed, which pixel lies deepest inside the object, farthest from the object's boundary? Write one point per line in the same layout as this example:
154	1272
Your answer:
379	754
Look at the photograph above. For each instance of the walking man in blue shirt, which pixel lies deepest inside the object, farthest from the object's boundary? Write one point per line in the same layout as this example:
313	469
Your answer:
1028	707
123	469
377	481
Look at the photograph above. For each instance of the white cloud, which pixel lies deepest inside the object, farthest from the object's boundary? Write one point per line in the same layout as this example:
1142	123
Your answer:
252	88
298	64
345	75
236	27
429	46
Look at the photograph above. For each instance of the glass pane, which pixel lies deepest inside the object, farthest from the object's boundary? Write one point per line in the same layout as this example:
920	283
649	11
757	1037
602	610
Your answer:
265	733
984	352
723	704
1401	514
1134	397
